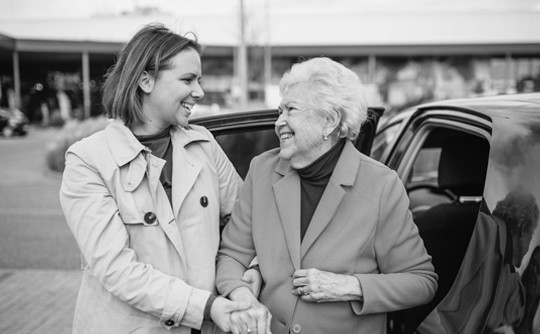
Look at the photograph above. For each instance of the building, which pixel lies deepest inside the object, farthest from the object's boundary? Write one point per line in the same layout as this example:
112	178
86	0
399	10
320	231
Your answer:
404	57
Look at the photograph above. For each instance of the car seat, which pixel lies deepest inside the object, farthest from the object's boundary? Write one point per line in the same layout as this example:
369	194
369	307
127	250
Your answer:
447	228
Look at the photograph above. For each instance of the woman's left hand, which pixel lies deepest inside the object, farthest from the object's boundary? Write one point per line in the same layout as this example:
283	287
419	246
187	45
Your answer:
313	285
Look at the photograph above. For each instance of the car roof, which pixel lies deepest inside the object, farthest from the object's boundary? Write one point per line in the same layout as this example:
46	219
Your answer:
498	105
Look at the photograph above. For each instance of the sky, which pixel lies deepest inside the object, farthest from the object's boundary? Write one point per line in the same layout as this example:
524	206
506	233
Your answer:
51	9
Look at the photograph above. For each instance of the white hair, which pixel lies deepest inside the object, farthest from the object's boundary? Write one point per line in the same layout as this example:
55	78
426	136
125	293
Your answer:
333	90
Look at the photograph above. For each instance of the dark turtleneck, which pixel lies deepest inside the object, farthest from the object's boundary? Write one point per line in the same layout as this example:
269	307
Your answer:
161	147
313	181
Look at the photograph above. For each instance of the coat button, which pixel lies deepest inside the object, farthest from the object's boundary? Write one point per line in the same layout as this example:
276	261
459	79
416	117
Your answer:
150	217
169	322
296	328
204	201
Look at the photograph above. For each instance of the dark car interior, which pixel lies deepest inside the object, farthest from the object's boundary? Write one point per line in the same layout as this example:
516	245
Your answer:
447	227
243	146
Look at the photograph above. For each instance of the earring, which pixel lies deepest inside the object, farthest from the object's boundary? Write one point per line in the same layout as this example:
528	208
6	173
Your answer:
325	136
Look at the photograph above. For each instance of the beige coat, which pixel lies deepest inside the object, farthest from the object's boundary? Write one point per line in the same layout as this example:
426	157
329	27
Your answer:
361	227
139	276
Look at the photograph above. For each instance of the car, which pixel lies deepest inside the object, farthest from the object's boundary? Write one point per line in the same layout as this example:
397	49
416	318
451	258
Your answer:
459	160
13	122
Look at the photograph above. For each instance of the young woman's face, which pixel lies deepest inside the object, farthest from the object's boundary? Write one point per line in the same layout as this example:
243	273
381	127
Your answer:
175	91
300	129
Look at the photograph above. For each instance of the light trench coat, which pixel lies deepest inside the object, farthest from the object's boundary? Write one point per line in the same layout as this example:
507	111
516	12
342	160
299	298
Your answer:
141	276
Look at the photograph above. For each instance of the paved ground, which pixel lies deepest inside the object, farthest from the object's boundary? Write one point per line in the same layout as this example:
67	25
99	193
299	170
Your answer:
33	231
37	301
39	259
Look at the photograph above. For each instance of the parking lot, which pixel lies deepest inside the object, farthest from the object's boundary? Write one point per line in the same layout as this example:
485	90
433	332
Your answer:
39	259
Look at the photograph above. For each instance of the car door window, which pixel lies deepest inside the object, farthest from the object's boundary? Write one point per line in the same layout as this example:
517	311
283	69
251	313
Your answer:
243	146
383	139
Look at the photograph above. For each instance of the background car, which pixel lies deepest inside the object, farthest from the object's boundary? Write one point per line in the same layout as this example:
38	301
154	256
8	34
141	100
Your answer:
457	160
13	122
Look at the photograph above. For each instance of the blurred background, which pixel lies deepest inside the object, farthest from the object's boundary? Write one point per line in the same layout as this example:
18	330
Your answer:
54	53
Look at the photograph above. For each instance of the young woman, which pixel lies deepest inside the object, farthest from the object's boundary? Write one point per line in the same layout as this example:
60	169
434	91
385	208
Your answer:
144	198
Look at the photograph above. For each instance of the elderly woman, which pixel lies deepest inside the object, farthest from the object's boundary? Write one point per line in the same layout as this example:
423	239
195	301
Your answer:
336	243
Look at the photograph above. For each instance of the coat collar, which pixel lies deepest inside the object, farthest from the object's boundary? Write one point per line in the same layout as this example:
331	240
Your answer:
345	174
125	147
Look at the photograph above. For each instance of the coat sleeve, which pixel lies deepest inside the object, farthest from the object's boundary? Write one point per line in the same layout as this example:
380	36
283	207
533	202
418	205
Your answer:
407	276
93	216
237	248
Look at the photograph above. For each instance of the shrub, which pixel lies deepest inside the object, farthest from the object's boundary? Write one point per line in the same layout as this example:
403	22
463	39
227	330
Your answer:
71	132
56	119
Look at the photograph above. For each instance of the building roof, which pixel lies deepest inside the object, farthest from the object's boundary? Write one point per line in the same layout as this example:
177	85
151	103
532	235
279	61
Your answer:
354	30
211	30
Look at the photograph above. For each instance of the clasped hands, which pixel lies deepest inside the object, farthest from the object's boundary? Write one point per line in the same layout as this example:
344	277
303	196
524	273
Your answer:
255	319
311	285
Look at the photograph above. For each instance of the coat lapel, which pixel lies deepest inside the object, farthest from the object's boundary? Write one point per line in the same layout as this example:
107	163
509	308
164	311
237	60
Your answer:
185	173
164	212
344	174
154	167
186	169
330	200
289	208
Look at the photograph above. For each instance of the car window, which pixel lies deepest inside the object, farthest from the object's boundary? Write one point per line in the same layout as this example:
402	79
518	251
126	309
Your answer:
426	167
241	147
383	139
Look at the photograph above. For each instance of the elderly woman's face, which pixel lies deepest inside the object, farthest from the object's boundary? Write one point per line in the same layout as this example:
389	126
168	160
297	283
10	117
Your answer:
300	129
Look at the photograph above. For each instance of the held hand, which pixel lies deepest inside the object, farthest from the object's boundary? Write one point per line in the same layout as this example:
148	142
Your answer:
222	309
255	320
313	285
253	276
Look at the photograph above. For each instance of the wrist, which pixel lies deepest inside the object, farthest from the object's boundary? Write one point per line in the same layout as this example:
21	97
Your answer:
242	293
208	307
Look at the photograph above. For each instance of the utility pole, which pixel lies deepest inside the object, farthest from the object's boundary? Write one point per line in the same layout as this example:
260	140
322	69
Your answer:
267	46
242	60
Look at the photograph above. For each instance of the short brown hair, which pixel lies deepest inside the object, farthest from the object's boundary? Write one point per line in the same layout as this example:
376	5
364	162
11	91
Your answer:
150	50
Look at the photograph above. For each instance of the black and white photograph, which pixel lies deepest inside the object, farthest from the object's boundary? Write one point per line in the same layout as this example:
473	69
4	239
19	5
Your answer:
269	166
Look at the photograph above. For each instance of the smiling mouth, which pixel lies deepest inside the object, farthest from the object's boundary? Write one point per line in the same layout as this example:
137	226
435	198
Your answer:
187	106
286	135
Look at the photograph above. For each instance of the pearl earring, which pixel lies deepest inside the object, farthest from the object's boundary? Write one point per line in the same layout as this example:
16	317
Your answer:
325	136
